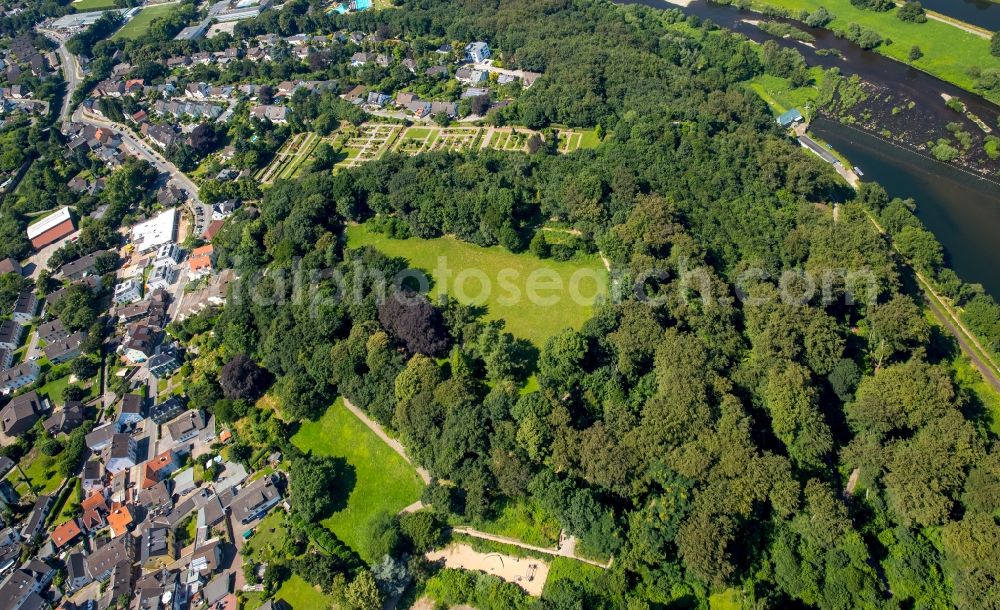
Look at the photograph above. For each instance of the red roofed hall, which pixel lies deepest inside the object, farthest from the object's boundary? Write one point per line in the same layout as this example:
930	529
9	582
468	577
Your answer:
52	228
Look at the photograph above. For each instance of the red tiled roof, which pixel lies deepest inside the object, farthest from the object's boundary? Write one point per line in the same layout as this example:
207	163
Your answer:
95	500
65	532
93	519
161	461
119	520
213	229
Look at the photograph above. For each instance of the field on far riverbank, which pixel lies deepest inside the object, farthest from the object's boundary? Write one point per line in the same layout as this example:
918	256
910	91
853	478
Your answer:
949	52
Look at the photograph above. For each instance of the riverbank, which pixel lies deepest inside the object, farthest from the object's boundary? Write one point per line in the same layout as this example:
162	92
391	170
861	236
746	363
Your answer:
958	208
950	53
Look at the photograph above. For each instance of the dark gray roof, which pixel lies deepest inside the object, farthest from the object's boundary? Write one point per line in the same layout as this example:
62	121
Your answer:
10	331
105	558
217	588
153	543
64	420
59	348
252	496
132	404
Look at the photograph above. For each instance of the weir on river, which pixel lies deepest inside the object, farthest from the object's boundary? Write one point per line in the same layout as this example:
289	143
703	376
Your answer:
962	210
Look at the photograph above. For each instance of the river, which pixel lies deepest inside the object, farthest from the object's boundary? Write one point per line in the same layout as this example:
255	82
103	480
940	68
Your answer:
962	211
984	13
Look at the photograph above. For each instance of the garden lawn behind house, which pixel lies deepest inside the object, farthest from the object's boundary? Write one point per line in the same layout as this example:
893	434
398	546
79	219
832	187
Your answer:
40	470
67	509
266	545
383	481
534	321
297	593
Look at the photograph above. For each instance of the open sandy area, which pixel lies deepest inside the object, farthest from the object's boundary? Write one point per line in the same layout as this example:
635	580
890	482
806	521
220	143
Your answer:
526	572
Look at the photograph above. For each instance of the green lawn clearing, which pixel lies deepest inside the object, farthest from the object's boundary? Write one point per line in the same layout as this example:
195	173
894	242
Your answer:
83	6
730	599
587	577
137	26
41	472
384	482
70	502
534	315
299	594
418	133
949	52
523	521
589	139
781	96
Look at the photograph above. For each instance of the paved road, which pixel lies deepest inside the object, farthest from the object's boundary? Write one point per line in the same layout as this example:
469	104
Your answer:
70	69
144	150
73	76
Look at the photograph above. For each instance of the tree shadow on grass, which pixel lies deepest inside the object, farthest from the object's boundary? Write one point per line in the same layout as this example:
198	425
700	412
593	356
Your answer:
344	483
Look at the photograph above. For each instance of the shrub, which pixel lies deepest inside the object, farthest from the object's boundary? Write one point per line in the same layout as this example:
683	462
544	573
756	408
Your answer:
912	12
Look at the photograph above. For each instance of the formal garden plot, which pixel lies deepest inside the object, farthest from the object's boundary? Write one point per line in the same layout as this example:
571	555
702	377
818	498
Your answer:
569	141
290	158
455	139
417	140
512	140
371	141
365	143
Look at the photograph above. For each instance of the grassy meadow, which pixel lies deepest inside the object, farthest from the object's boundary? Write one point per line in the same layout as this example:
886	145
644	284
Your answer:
382	480
137	26
534	321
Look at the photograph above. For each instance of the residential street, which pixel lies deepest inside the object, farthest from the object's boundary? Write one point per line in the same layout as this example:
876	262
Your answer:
73	76
143	150
70	69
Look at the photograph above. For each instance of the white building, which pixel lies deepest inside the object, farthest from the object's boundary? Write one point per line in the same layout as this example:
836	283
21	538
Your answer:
168	254
128	291
162	277
23	374
477	52
120	454
155	232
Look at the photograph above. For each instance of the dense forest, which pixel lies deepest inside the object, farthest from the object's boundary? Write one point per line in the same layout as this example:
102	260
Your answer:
704	434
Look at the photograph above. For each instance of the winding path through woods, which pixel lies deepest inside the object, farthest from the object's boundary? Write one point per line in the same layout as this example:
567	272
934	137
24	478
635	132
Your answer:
388	440
567	546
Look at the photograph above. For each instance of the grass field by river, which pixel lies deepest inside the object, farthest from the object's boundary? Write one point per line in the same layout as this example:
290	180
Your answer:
780	95
949	52
526	318
138	25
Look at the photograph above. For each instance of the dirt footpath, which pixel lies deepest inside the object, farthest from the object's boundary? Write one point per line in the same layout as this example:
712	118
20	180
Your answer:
526	572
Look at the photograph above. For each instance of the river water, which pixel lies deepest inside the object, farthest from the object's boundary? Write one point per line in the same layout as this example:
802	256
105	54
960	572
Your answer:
984	13
962	211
